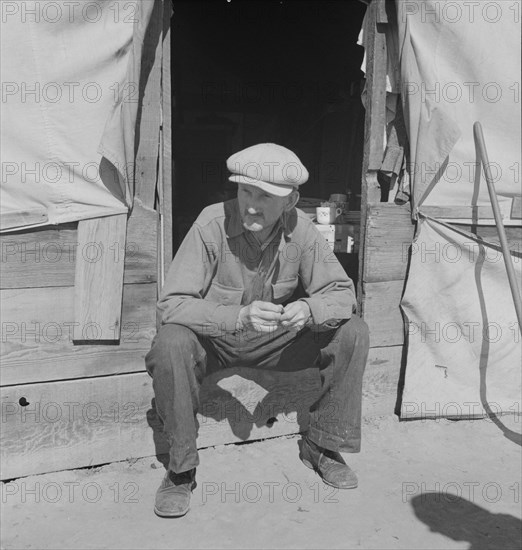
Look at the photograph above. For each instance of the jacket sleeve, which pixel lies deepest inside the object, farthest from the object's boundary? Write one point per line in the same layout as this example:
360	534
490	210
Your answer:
330	292
182	300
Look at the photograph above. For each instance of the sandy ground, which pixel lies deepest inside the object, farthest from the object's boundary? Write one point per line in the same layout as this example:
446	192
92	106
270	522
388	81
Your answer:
423	484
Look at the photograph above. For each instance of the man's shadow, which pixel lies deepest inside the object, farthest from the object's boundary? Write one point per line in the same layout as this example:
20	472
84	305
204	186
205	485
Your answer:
245	399
462	520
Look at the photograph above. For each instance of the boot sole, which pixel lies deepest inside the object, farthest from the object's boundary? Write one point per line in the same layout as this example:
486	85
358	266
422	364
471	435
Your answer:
167	515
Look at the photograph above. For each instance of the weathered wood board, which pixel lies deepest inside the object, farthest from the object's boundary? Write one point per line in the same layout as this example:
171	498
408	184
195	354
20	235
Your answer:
382	312
75	423
98	279
47	257
374	124
38	329
389	234
149	113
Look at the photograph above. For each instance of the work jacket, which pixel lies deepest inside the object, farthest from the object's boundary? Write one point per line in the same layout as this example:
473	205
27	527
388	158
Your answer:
220	267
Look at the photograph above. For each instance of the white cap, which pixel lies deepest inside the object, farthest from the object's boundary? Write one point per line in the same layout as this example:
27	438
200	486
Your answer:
271	167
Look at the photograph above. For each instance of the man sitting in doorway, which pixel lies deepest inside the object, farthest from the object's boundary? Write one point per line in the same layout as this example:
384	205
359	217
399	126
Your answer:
254	284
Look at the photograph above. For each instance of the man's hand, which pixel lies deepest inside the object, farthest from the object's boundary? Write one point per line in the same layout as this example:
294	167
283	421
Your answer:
260	316
295	315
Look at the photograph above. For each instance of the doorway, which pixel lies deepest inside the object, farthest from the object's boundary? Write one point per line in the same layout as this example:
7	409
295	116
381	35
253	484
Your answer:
247	72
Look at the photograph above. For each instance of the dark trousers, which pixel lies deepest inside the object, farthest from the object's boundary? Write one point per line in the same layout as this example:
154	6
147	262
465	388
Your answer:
179	360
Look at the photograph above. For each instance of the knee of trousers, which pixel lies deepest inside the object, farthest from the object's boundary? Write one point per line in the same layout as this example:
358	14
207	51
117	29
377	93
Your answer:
172	341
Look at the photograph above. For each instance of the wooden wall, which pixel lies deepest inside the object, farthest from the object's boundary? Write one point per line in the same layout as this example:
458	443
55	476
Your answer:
66	405
78	308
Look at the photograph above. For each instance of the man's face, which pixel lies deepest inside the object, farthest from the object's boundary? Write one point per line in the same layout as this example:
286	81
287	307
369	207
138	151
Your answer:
260	210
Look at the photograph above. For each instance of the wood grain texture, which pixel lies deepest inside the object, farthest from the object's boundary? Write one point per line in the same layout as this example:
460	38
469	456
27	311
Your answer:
149	112
38	330
92	421
389	234
382	312
47	256
375	89
375	118
98	281
167	173
78	423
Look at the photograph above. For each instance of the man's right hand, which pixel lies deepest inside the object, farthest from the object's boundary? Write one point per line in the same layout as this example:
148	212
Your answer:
260	316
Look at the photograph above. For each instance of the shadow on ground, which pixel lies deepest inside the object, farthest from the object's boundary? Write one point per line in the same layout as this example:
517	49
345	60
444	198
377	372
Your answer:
462	520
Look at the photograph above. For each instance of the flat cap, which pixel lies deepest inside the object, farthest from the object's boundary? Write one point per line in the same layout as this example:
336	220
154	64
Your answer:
271	167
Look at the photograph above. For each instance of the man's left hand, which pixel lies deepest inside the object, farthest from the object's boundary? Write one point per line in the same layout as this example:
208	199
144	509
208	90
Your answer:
295	315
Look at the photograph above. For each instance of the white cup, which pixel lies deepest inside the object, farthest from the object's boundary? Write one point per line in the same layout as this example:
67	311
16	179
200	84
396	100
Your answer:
327	214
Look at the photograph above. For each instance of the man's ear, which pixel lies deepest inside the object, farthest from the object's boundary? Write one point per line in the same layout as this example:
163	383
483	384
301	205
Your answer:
292	200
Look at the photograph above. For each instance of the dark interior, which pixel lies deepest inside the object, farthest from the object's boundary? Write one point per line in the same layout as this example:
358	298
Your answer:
246	72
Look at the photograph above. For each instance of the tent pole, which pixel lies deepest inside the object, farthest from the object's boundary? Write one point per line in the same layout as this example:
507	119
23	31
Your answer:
515	291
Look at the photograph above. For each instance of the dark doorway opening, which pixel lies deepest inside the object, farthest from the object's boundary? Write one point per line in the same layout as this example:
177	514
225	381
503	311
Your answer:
246	72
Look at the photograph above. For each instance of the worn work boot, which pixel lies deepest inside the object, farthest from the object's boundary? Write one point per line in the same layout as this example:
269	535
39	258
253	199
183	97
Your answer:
328	464
173	495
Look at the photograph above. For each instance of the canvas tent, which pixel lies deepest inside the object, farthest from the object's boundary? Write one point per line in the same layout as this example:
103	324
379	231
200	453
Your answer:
449	79
63	113
82	260
436	67
443	94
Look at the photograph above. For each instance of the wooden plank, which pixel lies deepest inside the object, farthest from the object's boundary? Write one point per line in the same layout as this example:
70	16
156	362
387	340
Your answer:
47	256
458	212
98	420
382	312
39	257
70	424
149	111
375	119
37	336
33	216
167	173
375	90
141	246
98	283
389	234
